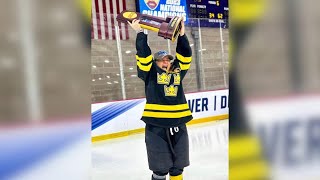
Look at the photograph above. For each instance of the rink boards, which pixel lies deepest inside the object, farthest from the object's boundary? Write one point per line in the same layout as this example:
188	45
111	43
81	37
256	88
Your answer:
289	129
120	118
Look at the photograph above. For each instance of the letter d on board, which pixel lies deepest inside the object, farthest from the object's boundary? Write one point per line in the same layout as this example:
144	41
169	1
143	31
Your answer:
223	102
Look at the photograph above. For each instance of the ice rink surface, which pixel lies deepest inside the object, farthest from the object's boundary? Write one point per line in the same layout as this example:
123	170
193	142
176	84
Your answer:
126	158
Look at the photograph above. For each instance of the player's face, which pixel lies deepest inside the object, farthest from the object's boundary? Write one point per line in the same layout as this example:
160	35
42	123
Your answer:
163	63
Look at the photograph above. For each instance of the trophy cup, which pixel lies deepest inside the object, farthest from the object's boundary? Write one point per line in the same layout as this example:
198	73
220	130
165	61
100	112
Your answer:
168	28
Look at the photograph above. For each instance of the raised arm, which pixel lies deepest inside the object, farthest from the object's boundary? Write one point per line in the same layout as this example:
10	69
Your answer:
183	52
143	56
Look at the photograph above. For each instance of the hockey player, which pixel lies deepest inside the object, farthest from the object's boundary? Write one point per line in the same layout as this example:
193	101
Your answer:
166	111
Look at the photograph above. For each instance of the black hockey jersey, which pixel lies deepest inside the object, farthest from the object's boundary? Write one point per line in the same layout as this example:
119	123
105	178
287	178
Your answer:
166	104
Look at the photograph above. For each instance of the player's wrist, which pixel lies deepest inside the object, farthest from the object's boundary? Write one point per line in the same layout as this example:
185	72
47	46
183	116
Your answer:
139	30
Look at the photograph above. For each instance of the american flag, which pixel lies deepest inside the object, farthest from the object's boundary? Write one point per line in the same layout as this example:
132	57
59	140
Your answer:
104	13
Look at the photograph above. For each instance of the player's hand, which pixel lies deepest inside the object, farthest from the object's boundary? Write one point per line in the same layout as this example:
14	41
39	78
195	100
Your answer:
135	25
182	31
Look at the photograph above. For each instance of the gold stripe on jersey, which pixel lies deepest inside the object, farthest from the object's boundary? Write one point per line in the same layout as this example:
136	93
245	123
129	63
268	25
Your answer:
144	60
184	66
166	114
144	67
183	59
166	107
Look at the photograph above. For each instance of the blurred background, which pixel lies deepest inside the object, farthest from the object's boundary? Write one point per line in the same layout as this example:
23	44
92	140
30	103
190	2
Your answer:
274	89
38	69
45	94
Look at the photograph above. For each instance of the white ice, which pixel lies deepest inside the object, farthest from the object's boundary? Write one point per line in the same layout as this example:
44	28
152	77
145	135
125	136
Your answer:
126	158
